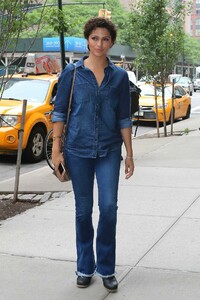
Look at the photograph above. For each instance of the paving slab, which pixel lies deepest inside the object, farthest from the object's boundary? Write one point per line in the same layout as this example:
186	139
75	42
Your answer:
25	278
40	180
156	176
50	232
40	232
152	284
179	152
179	248
156	200
194	211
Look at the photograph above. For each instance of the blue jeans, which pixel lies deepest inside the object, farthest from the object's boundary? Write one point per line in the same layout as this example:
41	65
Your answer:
83	171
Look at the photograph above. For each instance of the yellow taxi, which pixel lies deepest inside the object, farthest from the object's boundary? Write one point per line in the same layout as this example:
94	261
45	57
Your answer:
39	90
147	107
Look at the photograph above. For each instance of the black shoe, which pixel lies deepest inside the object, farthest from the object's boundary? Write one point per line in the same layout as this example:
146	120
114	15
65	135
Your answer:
83	281
110	284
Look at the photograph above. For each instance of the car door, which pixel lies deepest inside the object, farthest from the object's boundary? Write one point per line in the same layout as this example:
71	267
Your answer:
180	103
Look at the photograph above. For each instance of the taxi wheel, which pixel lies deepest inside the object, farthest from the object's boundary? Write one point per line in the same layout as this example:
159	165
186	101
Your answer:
188	113
35	148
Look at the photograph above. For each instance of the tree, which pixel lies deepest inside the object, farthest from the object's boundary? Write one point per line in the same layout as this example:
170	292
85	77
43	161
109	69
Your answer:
13	21
74	17
190	53
155	31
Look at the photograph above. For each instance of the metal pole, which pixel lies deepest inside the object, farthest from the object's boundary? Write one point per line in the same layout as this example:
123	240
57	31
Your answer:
172	110
156	106
62	41
19	152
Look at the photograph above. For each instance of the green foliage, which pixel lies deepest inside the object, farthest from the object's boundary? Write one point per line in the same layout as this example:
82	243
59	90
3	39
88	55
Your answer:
14	20
155	31
191	50
73	17
58	20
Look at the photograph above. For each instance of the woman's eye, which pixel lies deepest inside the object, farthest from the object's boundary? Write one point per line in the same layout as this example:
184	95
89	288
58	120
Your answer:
95	38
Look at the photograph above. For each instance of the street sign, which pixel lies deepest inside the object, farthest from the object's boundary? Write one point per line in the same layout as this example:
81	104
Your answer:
72	44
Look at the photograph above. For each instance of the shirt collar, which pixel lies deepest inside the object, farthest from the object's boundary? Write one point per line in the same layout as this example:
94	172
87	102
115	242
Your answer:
80	63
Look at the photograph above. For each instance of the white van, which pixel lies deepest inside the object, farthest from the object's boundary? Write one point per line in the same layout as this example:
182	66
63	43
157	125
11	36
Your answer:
174	76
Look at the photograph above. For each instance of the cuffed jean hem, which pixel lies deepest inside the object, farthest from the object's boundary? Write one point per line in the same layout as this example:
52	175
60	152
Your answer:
84	275
105	276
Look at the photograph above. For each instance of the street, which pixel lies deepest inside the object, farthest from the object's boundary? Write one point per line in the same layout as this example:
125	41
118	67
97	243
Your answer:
8	162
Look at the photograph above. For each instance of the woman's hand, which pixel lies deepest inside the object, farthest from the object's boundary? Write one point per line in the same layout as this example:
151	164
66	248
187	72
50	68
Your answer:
129	167
129	164
58	160
57	157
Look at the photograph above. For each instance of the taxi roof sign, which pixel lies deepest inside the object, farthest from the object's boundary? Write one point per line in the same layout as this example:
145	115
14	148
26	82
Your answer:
42	64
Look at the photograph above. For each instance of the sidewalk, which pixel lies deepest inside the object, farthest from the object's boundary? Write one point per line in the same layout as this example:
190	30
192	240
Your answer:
158	243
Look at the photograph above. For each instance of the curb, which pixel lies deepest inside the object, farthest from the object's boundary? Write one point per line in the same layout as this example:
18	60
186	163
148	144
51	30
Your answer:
33	197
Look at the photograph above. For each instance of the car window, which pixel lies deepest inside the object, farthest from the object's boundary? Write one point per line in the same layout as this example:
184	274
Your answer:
32	90
183	80
54	90
179	91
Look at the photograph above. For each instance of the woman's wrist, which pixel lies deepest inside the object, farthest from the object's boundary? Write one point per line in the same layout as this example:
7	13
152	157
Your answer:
57	137
57	146
129	157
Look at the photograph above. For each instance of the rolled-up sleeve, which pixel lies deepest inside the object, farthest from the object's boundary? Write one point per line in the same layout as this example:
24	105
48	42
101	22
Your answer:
63	93
125	123
58	117
124	113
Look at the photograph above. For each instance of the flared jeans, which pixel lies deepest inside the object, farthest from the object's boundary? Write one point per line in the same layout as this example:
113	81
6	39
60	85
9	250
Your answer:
83	172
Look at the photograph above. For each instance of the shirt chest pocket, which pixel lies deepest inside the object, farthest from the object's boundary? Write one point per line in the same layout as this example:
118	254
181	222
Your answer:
111	97
81	93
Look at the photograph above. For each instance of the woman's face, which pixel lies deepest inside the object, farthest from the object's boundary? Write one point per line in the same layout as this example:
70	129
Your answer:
99	42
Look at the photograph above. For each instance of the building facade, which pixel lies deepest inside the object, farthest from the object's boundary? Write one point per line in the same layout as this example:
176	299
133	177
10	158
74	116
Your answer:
195	20
192	21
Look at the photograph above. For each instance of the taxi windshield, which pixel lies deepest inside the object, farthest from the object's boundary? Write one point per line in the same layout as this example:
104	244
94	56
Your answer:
183	80
148	90
34	90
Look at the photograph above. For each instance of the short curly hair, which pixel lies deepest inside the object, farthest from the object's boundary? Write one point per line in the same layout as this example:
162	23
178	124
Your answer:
99	22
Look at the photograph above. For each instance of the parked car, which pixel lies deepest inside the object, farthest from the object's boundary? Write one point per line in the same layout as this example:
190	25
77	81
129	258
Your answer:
145	79
39	91
187	84
196	84
147	108
174	77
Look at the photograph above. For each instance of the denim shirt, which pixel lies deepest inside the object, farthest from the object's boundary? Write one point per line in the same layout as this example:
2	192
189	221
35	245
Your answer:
97	112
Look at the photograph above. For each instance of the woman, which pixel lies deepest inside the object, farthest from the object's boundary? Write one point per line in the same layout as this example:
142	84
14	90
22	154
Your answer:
99	123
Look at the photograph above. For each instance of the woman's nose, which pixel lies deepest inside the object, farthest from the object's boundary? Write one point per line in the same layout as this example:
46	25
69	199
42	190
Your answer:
99	43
